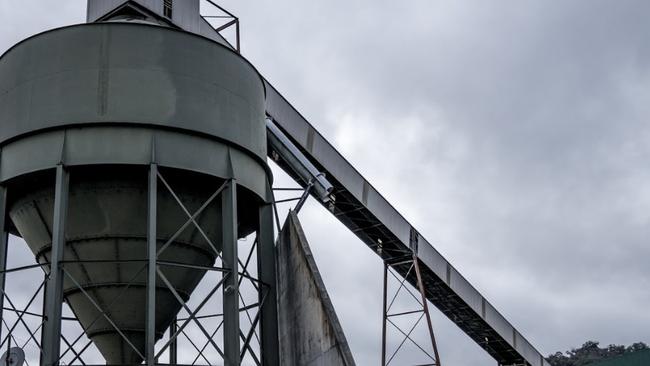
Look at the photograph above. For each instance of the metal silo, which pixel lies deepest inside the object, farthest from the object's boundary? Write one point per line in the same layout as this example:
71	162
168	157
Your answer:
133	155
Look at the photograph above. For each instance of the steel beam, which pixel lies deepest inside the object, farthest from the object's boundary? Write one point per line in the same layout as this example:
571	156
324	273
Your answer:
267	291
151	265
423	311
425	307
231	341
384	316
173	346
4	241
54	288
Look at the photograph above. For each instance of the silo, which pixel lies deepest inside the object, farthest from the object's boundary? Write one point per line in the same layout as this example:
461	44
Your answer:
113	136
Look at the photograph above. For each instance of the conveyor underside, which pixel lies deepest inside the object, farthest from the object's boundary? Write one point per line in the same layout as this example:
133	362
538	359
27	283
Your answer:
367	214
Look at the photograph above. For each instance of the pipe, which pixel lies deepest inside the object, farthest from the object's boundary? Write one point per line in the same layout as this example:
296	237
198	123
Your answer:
281	144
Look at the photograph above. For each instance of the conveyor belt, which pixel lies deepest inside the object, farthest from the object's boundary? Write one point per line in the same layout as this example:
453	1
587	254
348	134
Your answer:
367	214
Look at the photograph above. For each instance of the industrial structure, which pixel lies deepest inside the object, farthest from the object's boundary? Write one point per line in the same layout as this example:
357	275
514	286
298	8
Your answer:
133	163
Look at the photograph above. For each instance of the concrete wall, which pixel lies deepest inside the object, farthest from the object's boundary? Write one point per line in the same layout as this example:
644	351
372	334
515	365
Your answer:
310	333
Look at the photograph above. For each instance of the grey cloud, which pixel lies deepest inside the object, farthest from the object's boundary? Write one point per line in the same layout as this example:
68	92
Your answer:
538	151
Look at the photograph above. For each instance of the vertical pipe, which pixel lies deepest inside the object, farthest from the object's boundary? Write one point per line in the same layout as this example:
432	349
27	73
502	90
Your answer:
231	340
266	273
4	240
425	307
151	265
173	347
384	316
237	35
54	286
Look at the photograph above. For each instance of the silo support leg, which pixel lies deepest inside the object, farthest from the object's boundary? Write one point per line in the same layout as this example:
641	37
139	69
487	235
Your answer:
267	291
231	335
54	286
173	345
151	266
4	240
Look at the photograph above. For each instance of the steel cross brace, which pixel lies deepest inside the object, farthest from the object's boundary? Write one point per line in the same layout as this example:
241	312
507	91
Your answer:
230	282
154	271
413	263
20	316
232	278
102	313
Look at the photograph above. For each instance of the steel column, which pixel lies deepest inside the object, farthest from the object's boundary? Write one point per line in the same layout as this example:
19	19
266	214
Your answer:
4	241
231	341
268	300
425	308
173	346
151	265
384	316
54	287
413	262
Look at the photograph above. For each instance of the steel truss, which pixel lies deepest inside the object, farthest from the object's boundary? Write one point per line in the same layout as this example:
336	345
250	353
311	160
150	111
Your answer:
409	261
393	259
237	338
230	20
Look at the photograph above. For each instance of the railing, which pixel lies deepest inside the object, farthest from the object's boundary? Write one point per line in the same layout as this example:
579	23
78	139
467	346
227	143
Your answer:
221	21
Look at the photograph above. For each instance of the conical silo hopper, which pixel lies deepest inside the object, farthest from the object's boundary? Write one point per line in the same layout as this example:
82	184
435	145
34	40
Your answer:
105	101
107	223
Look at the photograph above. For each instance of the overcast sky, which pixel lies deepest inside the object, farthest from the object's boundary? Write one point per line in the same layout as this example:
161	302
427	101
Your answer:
515	135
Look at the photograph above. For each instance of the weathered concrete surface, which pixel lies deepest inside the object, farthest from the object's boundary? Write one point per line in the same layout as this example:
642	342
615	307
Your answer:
310	332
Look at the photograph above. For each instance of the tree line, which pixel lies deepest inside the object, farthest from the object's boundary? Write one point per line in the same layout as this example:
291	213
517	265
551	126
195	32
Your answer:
590	352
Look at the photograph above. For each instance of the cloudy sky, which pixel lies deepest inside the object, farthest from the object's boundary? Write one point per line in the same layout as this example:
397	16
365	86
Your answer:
515	135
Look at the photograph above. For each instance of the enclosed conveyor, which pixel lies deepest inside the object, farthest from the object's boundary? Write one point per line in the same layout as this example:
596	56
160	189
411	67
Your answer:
380	226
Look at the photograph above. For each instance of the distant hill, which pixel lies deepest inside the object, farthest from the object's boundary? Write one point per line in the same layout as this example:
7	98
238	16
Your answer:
638	358
591	354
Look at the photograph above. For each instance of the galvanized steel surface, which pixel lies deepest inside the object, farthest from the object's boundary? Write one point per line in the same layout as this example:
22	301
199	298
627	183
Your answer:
131	73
